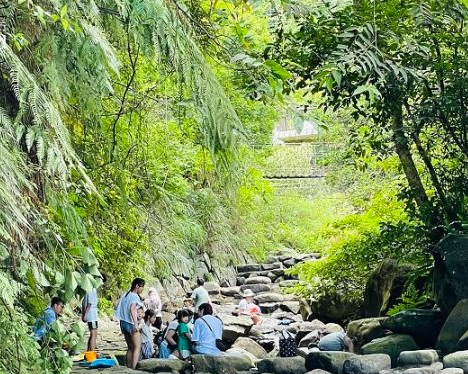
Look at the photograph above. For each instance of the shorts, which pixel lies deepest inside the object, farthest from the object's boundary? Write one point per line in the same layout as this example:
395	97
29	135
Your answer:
126	327
93	325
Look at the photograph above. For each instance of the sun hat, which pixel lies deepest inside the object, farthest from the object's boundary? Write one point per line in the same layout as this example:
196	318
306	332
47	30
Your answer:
248	292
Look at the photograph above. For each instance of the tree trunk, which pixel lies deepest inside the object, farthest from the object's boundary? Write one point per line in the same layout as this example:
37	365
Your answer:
411	172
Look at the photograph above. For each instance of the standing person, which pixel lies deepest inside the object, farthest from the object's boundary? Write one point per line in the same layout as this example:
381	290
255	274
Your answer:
89	315
153	302
127	314
206	330
147	349
49	316
247	307
183	332
200	296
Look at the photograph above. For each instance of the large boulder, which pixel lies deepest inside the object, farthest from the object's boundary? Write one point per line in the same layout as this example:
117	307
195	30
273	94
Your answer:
282	365
391	345
307	327
247	268
230	291
158	365
384	286
368	364
250	346
457	360
213	288
454	328
235	326
290	306
256	288
269	298
423	325
258	280
366	329
451	271
418	358
225	364
335	307
329	361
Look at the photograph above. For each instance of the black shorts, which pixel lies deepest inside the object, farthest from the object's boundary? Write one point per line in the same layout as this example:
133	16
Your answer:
93	325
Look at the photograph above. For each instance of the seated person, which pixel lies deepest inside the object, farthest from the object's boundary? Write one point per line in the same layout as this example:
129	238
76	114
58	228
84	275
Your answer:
248	308
206	330
336	341
169	344
49	316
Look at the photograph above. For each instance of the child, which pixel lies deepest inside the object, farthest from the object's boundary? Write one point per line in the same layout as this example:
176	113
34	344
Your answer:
183	343
147	350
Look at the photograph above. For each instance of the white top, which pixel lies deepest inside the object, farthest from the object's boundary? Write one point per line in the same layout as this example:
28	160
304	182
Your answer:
200	296
123	309
146	333
91	298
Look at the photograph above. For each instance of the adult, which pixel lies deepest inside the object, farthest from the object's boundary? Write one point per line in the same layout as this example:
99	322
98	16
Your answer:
206	330
200	295
336	341
247	307
48	317
153	302
168	345
127	314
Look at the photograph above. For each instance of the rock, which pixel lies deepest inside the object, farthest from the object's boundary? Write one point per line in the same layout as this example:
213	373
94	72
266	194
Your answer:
256	288
225	364
307	327
268	308
463	342
291	306
450	271
451	371
368	364
212	288
312	337
157	365
232	332
230	291
289	263
269	298
391	345
240	281
248	268
302	352
384	286
366	329
434	368
329	361
242	353
454	328
457	360
289	283
318	371
335	307
272	266
257	280
235	326
272	276
250	346
282	365
333	327
418	358
423	325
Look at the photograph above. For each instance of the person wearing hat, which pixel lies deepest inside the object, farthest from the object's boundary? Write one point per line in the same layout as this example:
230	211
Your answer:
247	307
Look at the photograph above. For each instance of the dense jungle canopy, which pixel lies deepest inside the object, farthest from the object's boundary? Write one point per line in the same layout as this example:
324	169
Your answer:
134	137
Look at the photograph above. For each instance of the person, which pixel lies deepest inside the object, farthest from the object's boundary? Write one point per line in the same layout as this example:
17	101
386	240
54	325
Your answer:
200	295
183	333
49	316
127	314
89	315
153	302
206	330
147	349
336	341
248	308
168	346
